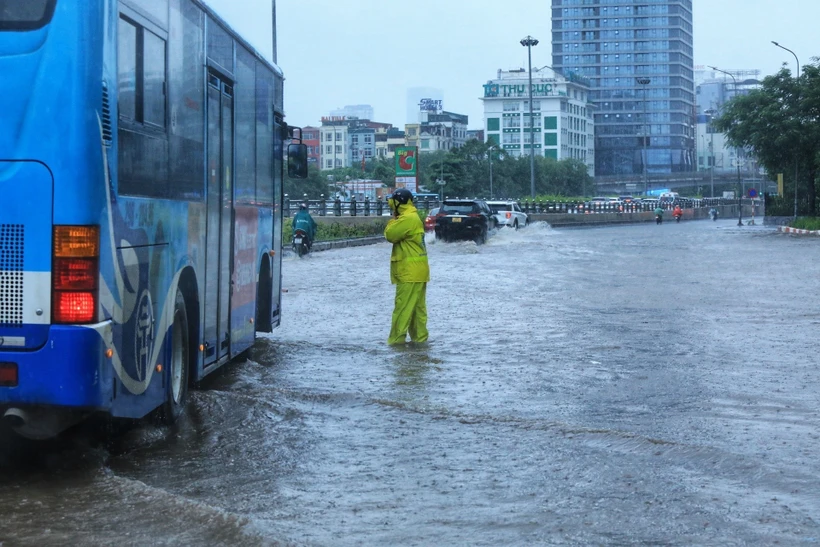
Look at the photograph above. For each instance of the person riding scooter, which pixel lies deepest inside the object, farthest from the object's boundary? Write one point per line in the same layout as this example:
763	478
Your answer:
658	214
713	213
677	213
302	221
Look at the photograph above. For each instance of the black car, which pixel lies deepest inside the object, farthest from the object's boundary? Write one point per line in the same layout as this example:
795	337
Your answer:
464	219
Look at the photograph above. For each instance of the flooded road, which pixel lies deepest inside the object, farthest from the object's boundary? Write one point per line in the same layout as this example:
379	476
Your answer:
619	385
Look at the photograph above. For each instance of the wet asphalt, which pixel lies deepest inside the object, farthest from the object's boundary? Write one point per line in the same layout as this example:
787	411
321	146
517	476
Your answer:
629	385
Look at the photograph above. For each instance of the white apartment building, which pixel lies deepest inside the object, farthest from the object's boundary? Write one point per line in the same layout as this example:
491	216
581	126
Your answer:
562	123
334	145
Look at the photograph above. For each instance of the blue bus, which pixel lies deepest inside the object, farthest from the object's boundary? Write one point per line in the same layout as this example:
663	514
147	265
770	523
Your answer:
141	169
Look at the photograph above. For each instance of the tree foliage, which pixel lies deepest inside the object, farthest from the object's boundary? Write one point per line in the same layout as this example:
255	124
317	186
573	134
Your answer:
465	171
779	123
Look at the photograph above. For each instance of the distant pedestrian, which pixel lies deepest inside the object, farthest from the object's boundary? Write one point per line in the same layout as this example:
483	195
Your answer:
409	270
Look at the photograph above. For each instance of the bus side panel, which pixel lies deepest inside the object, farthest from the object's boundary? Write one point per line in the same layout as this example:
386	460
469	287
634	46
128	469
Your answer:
155	244
277	220
245	272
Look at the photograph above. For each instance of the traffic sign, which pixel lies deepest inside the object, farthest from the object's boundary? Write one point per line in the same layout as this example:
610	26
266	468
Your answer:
752	193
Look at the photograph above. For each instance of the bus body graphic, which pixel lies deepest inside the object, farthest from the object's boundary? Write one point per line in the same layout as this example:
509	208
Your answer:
141	165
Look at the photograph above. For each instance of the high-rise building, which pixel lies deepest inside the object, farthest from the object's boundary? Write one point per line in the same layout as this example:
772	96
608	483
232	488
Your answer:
713	90
361	111
637	56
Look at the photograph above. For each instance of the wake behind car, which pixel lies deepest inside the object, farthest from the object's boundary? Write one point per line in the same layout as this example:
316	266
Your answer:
508	213
464	219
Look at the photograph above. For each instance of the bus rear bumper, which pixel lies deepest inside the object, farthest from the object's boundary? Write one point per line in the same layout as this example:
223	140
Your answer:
70	371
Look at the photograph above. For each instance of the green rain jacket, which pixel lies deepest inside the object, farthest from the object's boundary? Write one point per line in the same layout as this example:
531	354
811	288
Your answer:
408	263
303	221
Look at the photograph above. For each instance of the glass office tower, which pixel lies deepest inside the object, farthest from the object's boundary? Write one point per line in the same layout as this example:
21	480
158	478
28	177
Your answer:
637	56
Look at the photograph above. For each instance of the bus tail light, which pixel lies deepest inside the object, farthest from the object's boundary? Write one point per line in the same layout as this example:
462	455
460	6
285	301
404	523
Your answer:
75	274
8	375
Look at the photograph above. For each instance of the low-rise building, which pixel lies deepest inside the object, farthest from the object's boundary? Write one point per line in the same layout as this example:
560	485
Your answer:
395	139
437	131
346	141
477	134
311	138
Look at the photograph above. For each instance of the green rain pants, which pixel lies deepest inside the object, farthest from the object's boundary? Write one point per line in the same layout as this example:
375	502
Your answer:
409	314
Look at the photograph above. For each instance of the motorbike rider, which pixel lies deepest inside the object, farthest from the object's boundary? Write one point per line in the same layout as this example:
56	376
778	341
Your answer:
658	214
713	213
409	270
304	222
677	212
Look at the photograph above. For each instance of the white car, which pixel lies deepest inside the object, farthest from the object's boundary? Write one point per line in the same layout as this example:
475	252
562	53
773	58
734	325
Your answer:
508	213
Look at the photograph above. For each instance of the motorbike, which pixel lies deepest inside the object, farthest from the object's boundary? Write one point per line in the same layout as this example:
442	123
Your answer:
658	219
300	243
713	215
677	218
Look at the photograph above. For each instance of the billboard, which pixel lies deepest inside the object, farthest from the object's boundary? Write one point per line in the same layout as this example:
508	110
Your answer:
407	161
407	167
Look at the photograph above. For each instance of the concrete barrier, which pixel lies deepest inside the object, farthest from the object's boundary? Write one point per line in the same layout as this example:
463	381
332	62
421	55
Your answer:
343	243
564	220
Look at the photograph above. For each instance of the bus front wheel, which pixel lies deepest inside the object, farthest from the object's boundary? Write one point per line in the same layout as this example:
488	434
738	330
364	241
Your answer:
176	384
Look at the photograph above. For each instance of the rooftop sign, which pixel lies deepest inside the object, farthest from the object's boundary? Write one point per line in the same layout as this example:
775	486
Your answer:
519	90
431	105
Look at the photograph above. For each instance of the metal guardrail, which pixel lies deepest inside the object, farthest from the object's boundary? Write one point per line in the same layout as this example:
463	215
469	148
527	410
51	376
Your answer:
366	208
353	208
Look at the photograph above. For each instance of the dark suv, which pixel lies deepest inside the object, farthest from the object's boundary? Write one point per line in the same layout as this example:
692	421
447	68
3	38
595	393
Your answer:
464	219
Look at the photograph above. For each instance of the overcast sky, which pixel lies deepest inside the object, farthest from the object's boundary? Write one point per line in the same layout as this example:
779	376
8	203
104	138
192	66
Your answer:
336	53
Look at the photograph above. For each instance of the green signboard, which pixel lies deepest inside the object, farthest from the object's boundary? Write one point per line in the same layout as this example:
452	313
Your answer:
407	161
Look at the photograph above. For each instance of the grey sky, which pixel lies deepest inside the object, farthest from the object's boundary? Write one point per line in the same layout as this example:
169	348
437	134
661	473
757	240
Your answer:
336	53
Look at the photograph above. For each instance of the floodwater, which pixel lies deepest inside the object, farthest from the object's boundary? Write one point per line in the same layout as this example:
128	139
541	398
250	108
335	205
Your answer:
641	385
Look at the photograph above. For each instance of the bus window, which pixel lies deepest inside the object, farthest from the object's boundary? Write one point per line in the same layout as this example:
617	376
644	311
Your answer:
28	15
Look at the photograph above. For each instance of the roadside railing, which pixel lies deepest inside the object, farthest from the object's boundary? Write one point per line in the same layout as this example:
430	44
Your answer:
367	207
336	207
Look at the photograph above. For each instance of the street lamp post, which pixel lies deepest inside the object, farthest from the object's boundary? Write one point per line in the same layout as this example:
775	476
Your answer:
711	160
529	42
737	159
440	181
490	155
644	82
797	77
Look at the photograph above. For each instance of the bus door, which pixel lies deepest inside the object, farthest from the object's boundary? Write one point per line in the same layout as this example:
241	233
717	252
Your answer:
219	217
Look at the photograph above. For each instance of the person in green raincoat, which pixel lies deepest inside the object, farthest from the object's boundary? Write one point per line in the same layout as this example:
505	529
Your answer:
409	270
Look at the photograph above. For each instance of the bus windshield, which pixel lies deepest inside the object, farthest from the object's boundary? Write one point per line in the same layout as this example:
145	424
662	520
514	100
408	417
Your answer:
25	15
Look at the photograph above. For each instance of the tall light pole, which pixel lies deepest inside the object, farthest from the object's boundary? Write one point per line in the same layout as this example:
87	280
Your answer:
796	159
490	155
737	159
440	180
711	114
273	38
529	42
644	82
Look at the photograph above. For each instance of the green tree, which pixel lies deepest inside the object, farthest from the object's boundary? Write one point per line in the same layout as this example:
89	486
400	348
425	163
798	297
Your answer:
779	123
314	185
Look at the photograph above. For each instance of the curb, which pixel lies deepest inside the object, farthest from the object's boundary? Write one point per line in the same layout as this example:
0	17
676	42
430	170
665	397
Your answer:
341	244
789	230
